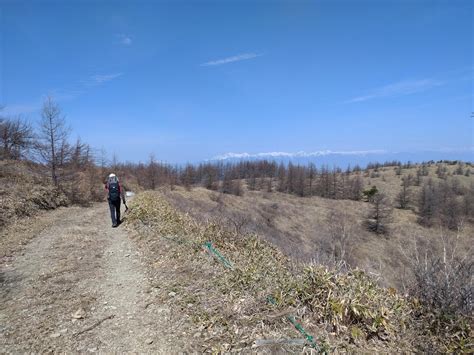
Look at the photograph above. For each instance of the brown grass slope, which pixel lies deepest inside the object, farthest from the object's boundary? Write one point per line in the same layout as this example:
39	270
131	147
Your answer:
24	190
228	307
301	227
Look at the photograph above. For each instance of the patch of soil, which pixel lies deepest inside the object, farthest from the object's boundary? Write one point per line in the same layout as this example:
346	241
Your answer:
70	282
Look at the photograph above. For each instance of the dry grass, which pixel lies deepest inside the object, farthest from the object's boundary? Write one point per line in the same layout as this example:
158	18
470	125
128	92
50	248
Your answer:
24	191
345	312
389	182
299	227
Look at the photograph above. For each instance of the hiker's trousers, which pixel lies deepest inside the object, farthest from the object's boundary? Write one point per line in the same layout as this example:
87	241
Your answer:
114	211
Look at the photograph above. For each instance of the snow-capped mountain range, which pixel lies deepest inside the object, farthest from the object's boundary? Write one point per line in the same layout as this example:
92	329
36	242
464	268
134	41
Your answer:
345	158
300	154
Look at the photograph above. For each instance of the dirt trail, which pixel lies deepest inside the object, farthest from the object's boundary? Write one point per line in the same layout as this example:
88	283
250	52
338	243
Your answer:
80	285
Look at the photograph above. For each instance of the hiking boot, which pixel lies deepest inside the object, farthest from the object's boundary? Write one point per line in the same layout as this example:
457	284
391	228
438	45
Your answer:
114	225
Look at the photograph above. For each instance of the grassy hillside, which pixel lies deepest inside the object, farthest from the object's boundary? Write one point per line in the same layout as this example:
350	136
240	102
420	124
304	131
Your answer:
303	228
24	190
228	299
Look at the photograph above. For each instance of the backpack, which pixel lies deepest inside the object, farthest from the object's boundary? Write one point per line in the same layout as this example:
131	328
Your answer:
114	191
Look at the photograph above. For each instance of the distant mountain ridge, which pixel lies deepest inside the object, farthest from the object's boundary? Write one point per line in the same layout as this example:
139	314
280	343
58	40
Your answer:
345	158
300	154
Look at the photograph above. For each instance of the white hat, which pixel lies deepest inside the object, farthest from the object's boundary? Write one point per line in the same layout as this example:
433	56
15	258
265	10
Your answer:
112	175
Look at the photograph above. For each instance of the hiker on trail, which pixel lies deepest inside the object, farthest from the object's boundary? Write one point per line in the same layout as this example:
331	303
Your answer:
115	193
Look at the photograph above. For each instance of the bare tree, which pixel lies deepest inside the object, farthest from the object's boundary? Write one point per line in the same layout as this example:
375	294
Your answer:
380	215
418	177
427	203
311	176
79	157
404	196
442	277
356	187
103	162
210	177
449	211
152	172
252	182
80	174
226	187
188	176
238	221
281	178
53	135
114	164
468	203
290	178
299	181
16	138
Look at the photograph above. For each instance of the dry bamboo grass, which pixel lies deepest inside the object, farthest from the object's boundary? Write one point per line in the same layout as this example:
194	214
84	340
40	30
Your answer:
344	311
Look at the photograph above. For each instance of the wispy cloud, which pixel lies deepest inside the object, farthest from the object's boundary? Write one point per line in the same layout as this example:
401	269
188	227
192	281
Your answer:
62	94
20	109
99	79
103	78
235	58
125	39
401	88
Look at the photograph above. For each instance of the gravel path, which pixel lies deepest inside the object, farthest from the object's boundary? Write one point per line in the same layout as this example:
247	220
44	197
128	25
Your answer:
80	286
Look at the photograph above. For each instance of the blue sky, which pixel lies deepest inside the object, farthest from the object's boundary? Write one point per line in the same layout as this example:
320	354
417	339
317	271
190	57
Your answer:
189	80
